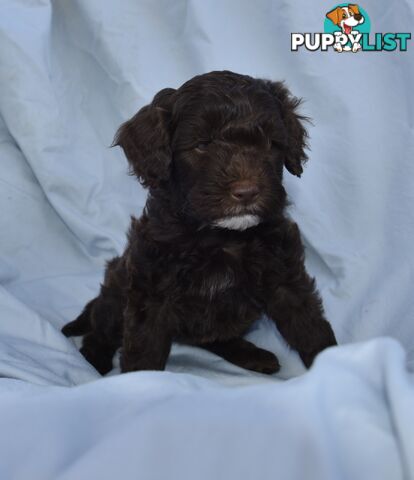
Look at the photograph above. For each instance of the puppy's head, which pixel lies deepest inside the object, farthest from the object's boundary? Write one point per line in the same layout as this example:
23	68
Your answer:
218	144
346	17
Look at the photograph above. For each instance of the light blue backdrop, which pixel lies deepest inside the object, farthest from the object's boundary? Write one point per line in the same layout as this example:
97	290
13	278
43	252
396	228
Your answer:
72	70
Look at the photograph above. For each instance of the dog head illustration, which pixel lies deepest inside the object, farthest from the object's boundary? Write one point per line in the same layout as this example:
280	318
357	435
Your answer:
346	17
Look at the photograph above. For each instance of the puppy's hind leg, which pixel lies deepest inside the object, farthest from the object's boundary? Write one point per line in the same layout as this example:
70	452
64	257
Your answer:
100	345
244	354
82	324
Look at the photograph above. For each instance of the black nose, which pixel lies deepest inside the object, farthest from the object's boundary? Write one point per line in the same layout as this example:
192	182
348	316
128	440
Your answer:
357	16
244	191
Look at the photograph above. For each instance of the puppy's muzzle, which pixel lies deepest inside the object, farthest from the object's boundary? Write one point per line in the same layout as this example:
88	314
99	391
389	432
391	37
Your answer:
245	192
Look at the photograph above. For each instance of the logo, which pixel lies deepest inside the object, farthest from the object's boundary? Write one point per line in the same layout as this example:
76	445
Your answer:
347	29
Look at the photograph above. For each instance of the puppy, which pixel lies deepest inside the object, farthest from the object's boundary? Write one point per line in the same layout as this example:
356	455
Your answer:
213	250
346	18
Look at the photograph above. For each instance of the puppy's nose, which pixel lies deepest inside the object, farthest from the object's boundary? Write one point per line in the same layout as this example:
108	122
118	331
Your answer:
244	191
357	16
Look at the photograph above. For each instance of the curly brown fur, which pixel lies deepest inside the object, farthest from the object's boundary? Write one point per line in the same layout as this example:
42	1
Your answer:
213	250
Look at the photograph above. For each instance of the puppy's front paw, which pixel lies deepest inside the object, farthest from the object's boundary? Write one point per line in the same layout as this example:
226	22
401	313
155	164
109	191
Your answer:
338	47
356	47
132	362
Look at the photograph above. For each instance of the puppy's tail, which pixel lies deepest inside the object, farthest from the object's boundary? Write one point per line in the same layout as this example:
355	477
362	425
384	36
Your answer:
82	324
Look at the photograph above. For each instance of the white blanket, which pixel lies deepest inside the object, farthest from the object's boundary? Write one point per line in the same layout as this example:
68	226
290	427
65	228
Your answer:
70	73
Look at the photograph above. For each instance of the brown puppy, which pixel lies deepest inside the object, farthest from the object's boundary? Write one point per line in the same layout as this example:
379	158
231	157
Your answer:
213	250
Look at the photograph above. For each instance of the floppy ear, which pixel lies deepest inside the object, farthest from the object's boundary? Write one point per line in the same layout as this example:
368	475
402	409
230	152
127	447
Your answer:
297	135
354	7
335	15
145	139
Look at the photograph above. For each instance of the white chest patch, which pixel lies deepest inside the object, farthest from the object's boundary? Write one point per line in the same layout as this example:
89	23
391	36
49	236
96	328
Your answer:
238	222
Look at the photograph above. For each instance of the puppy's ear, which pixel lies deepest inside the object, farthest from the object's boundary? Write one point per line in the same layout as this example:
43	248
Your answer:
335	15
354	8
297	135
145	139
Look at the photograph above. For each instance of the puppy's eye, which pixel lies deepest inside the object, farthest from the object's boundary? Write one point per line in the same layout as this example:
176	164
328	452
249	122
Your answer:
203	146
344	15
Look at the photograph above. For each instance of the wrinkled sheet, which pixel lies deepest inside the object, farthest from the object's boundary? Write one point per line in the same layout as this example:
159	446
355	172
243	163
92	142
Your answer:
70	73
